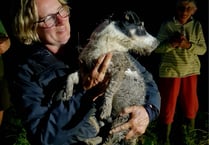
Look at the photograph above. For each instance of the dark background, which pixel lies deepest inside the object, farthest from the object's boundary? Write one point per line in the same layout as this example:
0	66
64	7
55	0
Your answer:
85	16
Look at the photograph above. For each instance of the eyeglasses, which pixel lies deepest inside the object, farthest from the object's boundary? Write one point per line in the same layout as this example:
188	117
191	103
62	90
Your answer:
51	20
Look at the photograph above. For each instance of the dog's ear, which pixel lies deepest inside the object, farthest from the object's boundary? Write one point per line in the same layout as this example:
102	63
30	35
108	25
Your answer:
132	17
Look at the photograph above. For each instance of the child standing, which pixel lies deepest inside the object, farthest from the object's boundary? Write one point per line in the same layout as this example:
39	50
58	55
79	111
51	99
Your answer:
182	41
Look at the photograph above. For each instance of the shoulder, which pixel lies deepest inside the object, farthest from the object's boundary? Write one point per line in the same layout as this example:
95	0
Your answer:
195	24
40	60
34	60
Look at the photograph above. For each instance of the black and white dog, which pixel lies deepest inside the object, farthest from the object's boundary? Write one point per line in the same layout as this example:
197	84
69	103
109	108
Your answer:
127	84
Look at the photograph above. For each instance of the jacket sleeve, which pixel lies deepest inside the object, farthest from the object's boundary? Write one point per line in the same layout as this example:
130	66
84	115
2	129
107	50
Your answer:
163	36
152	93
197	40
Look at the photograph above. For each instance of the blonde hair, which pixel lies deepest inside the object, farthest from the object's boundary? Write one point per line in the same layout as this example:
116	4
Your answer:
189	1
25	26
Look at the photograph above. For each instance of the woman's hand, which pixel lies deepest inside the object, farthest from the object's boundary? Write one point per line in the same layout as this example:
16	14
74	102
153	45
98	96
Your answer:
137	124
97	80
97	75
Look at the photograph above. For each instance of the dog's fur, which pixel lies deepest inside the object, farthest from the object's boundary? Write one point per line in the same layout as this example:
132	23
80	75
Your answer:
127	85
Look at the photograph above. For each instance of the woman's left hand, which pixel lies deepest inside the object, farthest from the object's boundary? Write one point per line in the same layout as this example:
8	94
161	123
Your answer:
97	75
137	124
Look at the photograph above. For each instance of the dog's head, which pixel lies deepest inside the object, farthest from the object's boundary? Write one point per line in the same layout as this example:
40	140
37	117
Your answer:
119	33
131	26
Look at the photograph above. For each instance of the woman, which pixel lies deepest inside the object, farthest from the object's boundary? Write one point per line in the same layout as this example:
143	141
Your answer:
43	63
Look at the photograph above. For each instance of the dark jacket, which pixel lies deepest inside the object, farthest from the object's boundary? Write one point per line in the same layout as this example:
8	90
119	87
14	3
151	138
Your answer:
37	80
36	83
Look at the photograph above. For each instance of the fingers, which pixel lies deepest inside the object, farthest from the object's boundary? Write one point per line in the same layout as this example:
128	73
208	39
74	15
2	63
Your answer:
137	124
130	109
131	133
134	133
105	63
101	67
99	62
98	74
125	126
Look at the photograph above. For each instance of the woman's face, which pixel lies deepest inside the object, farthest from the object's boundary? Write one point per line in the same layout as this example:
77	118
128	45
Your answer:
57	32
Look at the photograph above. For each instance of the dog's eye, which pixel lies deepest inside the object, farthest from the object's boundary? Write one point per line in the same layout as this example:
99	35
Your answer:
141	23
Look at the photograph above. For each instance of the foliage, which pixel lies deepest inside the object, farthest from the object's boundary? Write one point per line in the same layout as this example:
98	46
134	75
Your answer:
13	133
197	136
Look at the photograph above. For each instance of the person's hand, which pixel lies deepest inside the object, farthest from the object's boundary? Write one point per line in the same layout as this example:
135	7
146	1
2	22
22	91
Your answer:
96	81
184	43
175	40
137	124
4	44
97	75
179	40
95	92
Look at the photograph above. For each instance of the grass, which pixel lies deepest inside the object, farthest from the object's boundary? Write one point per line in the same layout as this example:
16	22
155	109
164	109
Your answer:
197	136
13	133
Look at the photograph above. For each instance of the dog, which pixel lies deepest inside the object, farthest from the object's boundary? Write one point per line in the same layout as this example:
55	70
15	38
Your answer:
127	85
